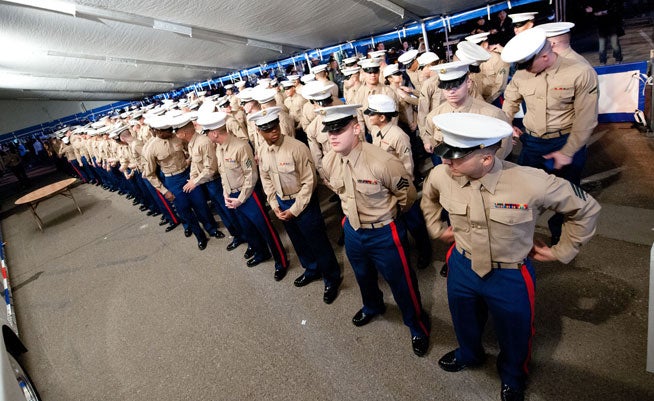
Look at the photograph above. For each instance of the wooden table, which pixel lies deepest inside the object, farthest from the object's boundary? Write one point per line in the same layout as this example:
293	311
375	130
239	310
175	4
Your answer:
35	197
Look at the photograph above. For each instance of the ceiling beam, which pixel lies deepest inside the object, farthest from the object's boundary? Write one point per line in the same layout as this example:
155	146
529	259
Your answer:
396	9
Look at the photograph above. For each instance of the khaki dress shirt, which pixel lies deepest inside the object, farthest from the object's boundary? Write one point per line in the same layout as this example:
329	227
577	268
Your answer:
236	167
168	154
562	98
514	197
381	184
203	159
287	170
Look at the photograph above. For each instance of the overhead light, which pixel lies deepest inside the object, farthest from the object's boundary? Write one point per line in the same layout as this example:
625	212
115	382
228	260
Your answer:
51	5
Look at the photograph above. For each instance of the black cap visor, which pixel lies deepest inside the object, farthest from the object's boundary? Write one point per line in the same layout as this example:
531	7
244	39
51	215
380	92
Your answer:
453	84
450	152
337	124
269	126
371	70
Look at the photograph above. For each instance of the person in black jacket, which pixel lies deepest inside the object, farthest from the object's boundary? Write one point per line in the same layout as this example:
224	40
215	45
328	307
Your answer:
608	16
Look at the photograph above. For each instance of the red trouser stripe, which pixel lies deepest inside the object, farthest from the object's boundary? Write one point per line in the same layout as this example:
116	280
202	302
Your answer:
170	212
77	171
407	275
448	254
278	244
343	221
531	292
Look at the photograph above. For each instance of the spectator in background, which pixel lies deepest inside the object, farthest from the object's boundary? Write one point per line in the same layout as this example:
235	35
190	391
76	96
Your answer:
608	16
481	25
501	29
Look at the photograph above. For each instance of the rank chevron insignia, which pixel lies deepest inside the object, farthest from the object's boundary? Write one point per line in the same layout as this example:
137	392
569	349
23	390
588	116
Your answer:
578	191
402	183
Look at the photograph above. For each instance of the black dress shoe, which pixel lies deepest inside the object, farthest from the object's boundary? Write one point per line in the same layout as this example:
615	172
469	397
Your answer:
331	291
171	227
156	213
280	274
218	234
234	244
443	271
121	192
423	262
130	196
143	208
259	259
449	363
510	394
304	280
420	345
202	243
248	253
187	232
151	213
163	222
361	318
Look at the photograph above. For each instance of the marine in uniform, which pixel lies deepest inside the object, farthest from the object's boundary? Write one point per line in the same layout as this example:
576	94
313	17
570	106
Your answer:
320	72
167	153
351	82
239	175
374	186
391	138
455	83
371	86
289	180
203	169
233	124
561	96
495	71
319	95
430	95
493	207
558	34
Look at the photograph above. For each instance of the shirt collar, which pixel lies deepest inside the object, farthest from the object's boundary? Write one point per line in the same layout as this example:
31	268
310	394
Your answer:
354	154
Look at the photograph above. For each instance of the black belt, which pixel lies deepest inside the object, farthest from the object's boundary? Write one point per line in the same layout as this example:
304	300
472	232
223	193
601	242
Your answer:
549	135
494	265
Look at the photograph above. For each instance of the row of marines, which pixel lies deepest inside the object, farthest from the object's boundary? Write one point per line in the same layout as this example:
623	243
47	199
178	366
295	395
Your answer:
363	152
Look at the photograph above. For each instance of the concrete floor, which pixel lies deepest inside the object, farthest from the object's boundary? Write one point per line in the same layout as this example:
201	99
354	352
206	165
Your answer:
113	308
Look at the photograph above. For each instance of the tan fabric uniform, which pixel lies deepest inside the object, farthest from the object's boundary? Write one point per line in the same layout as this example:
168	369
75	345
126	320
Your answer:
168	154
294	105
203	159
495	73
394	140
235	127
287	170
236	167
514	197
362	99
562	98
376	177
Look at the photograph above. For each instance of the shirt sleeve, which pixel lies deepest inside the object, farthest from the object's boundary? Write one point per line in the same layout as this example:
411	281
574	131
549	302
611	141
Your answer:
512	100
431	206
581	213
307	177
586	109
208	164
250	174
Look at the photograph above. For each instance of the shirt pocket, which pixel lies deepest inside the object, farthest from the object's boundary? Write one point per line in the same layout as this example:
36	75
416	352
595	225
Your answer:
337	185
234	175
510	223
288	178
458	214
562	98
